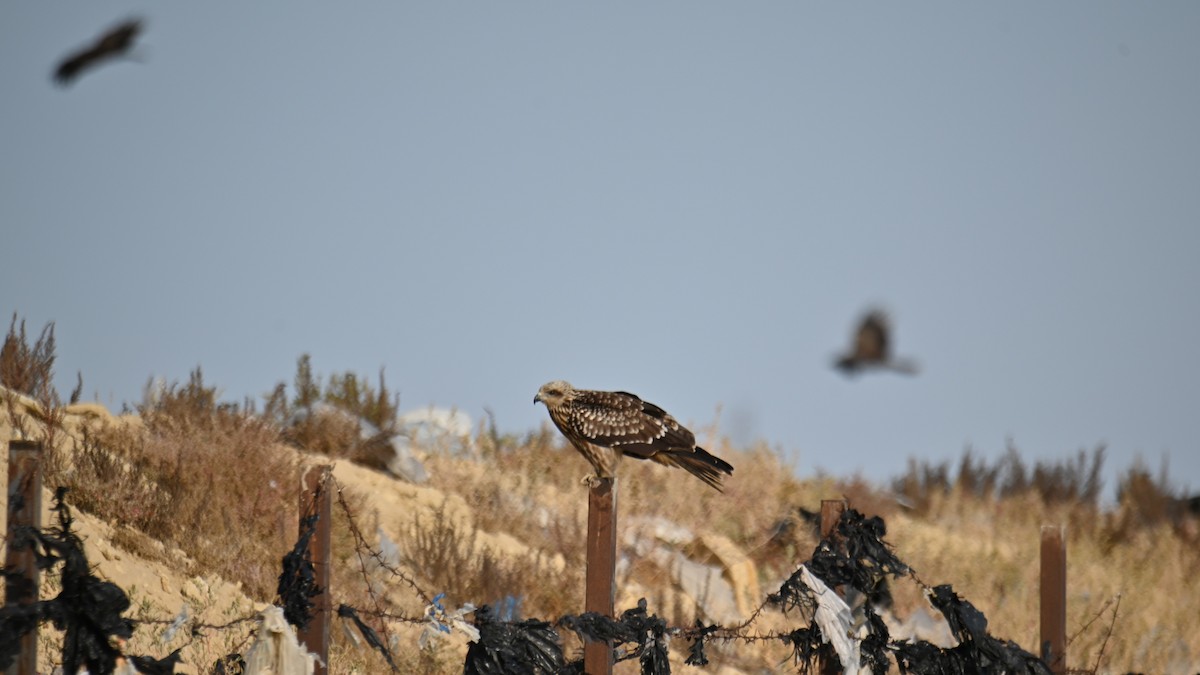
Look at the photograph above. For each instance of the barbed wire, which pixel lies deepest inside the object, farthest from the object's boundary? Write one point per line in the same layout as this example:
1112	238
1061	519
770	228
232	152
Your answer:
854	555
361	546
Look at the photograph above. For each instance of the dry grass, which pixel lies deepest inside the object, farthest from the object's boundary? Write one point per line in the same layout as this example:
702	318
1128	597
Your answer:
989	550
26	368
985	546
980	533
215	482
199	477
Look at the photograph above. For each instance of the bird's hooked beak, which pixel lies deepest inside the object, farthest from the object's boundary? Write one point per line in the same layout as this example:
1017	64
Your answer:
537	398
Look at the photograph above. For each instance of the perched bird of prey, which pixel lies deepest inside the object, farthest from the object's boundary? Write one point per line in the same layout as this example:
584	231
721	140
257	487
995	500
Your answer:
872	348
116	42
604	425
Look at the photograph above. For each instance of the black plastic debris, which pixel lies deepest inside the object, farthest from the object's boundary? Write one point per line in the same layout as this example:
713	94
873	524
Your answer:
792	594
298	581
88	610
864	541
150	666
966	622
808	645
15	622
874	647
650	635
368	633
594	627
854	560
977	651
858	557
645	633
696	655
513	648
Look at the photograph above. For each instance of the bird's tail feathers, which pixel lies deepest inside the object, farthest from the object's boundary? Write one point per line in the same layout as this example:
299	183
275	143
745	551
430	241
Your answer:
700	463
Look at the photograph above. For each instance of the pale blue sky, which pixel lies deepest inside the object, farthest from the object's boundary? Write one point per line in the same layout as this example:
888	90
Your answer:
692	201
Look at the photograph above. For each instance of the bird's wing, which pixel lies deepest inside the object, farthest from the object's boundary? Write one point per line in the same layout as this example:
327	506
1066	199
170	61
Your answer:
622	420
112	43
73	64
120	37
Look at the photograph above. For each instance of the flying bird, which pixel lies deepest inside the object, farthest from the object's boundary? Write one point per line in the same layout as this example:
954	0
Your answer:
605	425
115	43
872	348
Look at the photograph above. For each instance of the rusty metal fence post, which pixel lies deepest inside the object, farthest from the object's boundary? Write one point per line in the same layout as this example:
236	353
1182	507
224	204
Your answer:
1054	598
316	486
24	510
831	513
600	590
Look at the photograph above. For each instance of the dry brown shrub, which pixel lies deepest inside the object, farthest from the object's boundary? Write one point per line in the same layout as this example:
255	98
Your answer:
1074	480
331	433
449	558
200	476
25	368
209	478
328	416
29	370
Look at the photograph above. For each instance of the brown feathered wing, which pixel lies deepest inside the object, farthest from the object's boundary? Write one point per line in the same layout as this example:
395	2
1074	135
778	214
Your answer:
642	430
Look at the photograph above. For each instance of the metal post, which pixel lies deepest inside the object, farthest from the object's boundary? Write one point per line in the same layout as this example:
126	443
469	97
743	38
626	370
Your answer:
831	513
316	486
24	510
600	591
1054	598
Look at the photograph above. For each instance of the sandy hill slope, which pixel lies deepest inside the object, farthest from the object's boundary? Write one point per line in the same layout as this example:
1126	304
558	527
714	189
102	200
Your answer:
502	522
